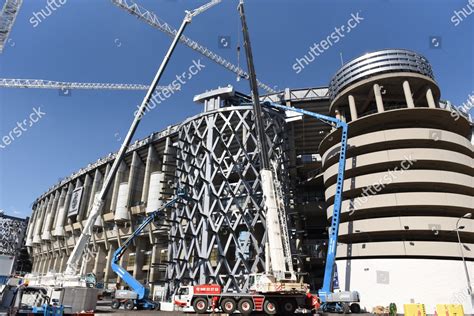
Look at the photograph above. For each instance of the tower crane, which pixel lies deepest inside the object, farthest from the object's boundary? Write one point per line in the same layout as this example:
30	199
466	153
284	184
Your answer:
50	84
152	19
7	19
11	9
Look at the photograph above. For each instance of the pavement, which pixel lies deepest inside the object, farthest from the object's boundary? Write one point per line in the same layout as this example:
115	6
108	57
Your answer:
103	308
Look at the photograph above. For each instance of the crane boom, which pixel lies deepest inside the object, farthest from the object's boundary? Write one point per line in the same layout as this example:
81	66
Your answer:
7	19
278	254
85	236
50	84
152	19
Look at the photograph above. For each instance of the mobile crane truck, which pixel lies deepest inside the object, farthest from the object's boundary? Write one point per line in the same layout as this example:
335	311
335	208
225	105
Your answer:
138	296
276	291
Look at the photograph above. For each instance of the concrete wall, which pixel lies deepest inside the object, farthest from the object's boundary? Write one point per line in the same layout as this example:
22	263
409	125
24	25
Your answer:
404	281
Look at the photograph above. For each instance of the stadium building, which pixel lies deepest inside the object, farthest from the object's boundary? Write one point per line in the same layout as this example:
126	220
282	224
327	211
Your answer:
408	184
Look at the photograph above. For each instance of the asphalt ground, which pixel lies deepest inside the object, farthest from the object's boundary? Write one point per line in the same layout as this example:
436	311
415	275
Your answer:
103	308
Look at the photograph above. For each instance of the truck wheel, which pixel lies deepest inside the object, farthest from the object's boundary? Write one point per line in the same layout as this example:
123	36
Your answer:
245	306
115	304
200	305
355	308
129	304
345	308
270	307
228	305
288	307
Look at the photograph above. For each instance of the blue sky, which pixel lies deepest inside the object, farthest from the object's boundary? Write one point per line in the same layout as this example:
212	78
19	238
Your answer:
94	41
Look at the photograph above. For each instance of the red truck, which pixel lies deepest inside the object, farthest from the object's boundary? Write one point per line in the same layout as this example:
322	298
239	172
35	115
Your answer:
209	298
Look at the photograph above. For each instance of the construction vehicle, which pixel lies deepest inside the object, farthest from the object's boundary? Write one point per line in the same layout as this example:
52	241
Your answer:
341	301
276	291
331	301
138	295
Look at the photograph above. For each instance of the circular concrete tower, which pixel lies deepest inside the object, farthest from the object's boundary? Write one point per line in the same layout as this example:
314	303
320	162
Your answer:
409	180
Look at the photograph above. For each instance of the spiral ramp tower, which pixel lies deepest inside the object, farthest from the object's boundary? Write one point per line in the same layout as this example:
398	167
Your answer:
409	178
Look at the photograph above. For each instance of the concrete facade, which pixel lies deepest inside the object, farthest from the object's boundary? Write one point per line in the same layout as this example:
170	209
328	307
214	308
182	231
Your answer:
409	177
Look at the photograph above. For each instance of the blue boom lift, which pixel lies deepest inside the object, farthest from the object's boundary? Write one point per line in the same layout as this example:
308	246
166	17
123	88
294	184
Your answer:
138	296
331	301
344	300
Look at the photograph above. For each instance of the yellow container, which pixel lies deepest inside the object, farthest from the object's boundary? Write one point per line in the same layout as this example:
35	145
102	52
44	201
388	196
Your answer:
415	310
449	310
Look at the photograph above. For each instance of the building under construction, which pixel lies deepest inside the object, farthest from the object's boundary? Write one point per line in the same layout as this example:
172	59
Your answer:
409	178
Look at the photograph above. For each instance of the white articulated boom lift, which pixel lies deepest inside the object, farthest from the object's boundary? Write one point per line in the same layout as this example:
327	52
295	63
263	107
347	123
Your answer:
71	276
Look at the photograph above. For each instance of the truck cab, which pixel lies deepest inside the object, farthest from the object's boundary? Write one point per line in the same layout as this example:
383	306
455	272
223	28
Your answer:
184	296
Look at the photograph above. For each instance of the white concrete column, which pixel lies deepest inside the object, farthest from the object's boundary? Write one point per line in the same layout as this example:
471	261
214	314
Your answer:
31	226
408	95
56	260
135	180
118	179
54	210
108	198
430	98
45	233
67	201
62	265
39	263
39	222
138	273
44	268
100	262
82	214
150	166
155	258
58	219
35	264
352	108
109	275
378	98
96	185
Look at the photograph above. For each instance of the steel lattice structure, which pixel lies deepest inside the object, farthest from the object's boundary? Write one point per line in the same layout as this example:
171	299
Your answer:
219	235
12	232
7	19
152	19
